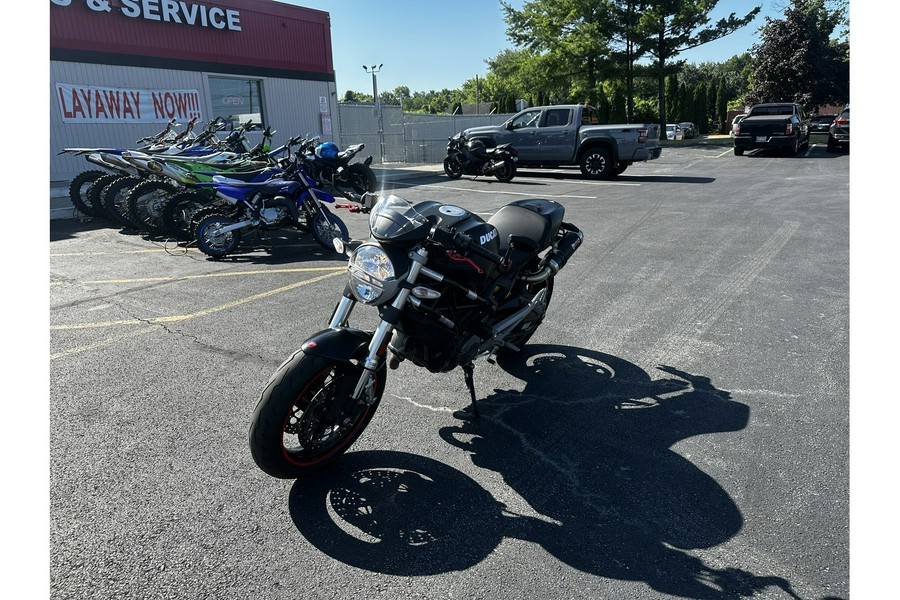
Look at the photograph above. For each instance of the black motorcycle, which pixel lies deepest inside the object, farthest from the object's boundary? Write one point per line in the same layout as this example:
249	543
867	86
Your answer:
472	157
449	288
331	167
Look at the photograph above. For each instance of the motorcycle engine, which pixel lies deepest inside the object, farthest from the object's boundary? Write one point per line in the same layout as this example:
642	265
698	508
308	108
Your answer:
273	215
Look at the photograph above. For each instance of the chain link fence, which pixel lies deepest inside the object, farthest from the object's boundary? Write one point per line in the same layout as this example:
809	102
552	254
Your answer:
405	137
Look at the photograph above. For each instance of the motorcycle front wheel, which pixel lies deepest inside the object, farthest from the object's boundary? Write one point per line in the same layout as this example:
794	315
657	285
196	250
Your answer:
452	168
325	227
507	171
291	432
213	242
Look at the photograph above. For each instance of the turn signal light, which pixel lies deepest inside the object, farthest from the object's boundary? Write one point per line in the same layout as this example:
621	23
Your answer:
642	136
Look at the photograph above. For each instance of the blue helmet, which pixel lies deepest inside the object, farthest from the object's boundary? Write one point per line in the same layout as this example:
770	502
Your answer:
327	150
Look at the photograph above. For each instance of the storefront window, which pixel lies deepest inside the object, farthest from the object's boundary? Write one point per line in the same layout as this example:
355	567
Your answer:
236	100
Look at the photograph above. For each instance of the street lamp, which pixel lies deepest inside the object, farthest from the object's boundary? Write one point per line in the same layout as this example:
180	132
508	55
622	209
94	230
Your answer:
375	69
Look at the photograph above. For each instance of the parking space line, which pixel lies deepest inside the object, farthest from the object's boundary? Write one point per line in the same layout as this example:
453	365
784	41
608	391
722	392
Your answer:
729	151
201	313
211	275
531	193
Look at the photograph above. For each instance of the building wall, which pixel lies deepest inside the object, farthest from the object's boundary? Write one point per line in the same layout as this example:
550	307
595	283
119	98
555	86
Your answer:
287	49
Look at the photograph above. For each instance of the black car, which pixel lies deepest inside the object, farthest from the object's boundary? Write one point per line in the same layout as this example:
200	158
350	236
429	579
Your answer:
839	132
820	123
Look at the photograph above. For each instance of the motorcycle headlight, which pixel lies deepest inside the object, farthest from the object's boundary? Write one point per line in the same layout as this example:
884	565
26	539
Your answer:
372	275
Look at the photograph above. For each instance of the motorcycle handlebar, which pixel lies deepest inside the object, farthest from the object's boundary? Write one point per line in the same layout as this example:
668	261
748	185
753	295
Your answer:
455	240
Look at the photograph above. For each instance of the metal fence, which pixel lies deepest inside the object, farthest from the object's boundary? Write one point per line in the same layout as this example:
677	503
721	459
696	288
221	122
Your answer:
407	137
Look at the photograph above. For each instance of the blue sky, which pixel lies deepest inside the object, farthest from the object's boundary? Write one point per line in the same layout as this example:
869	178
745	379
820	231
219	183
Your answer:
430	45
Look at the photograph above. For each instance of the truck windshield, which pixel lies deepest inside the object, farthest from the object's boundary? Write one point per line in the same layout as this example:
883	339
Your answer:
771	110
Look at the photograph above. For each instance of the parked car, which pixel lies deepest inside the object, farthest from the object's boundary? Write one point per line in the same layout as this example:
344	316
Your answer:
571	134
820	123
839	132
773	125
690	130
674	132
734	123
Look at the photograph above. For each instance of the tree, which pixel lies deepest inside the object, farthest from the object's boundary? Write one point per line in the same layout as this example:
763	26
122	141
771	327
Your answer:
669	27
797	61
721	106
624	18
570	37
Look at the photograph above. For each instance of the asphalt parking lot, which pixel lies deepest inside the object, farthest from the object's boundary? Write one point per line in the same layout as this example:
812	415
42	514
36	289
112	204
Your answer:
678	427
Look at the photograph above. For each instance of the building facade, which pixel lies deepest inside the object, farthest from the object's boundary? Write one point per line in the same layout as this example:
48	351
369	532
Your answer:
121	69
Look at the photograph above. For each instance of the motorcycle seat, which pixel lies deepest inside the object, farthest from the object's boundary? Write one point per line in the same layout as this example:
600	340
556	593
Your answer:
534	218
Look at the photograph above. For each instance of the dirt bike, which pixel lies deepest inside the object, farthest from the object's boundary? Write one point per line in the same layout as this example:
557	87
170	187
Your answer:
449	288
290	200
471	157
147	204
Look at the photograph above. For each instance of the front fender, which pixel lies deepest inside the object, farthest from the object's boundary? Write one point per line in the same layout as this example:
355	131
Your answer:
340	345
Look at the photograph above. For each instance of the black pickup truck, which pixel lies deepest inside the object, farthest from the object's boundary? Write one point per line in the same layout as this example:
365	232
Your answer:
782	125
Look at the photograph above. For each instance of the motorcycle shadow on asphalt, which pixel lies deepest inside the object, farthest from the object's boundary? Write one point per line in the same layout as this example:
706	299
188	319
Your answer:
586	446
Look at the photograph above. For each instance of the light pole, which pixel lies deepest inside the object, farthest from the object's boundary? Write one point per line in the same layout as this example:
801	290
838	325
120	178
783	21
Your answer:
373	69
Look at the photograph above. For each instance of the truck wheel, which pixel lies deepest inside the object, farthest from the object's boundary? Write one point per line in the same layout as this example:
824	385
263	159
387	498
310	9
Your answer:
738	151
596	163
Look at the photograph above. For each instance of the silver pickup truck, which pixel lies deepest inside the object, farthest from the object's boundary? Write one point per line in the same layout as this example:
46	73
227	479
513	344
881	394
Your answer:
569	134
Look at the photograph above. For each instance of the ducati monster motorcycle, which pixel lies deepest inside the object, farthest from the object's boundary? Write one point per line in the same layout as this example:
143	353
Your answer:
448	286
472	157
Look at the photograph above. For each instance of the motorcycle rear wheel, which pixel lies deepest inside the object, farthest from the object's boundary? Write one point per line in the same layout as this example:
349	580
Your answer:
452	168
94	195
361	178
324	231
507	172
178	211
145	202
114	197
213	243
290	433
79	187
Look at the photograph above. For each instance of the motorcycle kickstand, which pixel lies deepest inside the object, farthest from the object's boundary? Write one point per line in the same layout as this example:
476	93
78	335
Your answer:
472	414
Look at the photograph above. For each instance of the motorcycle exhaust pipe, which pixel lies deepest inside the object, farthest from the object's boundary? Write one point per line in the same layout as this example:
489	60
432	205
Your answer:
557	259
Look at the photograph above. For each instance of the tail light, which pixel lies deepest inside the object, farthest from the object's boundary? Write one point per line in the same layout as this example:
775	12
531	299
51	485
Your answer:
737	129
642	135
789	129
841	122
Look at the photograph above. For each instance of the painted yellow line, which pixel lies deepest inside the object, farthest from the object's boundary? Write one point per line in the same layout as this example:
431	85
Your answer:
202	313
155	250
174	250
105	342
210	275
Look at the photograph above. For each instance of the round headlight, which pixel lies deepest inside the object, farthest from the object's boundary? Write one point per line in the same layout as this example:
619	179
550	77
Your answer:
370	268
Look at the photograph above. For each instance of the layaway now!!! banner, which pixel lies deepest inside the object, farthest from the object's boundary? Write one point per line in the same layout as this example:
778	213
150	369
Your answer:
93	104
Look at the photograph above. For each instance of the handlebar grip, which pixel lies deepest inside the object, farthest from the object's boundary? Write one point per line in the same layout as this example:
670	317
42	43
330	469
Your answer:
460	241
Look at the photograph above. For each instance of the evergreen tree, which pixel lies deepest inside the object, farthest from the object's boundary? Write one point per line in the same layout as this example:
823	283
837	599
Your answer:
669	27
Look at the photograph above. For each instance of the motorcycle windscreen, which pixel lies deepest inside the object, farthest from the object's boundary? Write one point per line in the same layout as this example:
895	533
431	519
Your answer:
395	219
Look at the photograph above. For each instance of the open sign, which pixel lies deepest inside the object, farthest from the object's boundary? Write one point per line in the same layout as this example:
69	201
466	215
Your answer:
232	100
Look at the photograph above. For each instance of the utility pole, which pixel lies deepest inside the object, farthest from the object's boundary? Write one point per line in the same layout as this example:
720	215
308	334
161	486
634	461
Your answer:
376	69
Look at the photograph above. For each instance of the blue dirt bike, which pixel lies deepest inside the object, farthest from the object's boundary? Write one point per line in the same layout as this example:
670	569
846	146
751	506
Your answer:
291	200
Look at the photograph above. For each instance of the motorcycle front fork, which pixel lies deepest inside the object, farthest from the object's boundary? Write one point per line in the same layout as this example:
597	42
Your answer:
382	335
